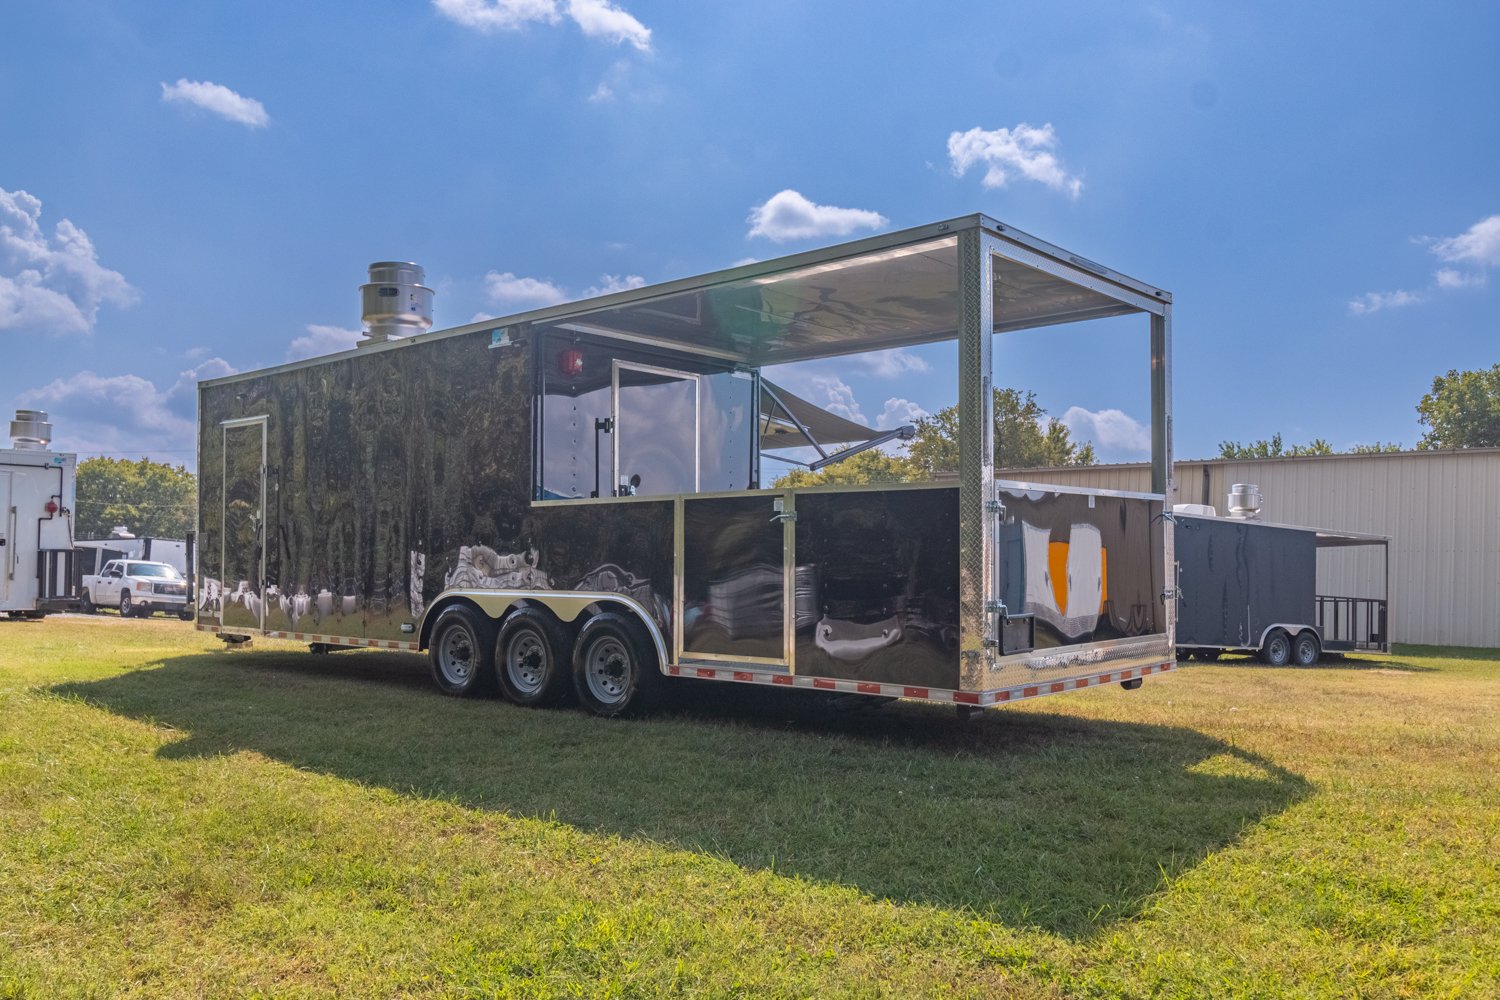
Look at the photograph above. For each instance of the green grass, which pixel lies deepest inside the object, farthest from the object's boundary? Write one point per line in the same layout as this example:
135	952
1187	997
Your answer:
181	820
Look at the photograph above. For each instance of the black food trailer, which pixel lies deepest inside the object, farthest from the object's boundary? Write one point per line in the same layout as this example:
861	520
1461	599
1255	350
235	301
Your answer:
571	500
1249	586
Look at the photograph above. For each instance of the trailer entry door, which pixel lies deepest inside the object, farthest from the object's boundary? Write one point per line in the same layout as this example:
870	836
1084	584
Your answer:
735	571
244	540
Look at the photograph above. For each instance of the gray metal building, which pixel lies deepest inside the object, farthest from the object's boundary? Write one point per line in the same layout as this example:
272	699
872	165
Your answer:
1441	510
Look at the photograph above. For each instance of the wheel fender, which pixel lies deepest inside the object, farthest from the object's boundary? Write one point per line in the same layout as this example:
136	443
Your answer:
569	606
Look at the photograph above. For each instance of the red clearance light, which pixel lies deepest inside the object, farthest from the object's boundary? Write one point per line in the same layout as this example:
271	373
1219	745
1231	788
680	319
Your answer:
51	507
571	362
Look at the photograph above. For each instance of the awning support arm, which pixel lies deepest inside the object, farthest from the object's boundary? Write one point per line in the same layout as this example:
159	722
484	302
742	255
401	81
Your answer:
905	432
793	417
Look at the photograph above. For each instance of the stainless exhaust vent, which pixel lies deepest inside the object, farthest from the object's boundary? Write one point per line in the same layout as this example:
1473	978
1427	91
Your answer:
1244	500
395	303
30	431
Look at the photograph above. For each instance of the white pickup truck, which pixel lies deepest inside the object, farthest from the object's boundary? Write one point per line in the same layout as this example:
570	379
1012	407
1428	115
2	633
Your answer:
137	588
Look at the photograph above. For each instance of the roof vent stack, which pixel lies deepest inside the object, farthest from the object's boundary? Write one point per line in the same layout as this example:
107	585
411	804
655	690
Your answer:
1244	501
30	431
395	302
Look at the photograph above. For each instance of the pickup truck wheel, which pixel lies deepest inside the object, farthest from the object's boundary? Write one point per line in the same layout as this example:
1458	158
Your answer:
86	604
126	608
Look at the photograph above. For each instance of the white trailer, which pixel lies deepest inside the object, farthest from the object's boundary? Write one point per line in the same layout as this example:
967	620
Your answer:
36	521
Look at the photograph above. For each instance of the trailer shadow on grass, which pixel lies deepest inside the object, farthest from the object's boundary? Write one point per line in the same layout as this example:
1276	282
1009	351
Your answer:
1028	817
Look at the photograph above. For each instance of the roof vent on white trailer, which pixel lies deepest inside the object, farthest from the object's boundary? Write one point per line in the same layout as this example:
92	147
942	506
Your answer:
120	531
1244	500
1195	509
30	431
395	303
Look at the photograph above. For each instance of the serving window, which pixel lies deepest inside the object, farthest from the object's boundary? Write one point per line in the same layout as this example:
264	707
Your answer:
617	420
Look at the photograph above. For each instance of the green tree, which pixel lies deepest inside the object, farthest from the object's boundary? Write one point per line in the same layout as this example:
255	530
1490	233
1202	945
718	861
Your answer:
873	466
148	498
1273	448
1024	438
1378	448
1463	410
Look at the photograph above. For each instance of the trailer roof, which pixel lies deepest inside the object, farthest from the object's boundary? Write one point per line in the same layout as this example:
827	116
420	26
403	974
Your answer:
894	290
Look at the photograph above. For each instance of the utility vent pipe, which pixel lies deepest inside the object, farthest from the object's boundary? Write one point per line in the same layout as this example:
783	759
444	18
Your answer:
30	431
395	303
1244	501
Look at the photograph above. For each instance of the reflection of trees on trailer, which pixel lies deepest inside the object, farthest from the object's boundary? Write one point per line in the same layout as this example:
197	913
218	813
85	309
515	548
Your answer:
571	498
1249	586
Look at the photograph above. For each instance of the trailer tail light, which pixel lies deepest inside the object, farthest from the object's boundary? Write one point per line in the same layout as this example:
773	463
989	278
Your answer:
51	507
570	362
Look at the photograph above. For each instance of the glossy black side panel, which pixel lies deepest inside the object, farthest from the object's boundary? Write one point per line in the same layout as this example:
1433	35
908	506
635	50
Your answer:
733	583
879	569
1237	578
395	474
1087	567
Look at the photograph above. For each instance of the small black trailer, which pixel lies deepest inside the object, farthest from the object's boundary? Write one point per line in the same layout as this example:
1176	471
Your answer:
571	500
1249	586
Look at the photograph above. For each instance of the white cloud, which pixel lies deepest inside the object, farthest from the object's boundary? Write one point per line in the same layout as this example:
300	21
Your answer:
837	397
498	15
126	415
1113	431
322	340
596	18
1372	302
787	215
217	99
601	19
508	290
1449	278
610	283
1025	149
897	412
51	285
1479	244
891	363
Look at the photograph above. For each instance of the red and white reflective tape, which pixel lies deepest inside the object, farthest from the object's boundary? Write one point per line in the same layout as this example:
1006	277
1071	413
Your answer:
947	696
327	640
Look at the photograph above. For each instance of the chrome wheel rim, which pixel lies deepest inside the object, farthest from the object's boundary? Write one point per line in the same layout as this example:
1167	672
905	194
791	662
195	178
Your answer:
526	662
456	655
1279	649
607	669
124	604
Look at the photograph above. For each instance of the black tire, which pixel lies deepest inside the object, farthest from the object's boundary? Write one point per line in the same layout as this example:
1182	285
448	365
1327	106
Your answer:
126	608
615	667
1306	650
1208	655
533	658
461	652
86	605
185	615
1276	651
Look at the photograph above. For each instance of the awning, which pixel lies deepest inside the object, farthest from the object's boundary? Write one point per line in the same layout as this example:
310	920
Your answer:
779	430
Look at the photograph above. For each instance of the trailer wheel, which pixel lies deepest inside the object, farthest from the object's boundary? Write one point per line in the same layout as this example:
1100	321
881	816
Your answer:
1277	651
461	651
1305	649
1208	655
531	658
614	666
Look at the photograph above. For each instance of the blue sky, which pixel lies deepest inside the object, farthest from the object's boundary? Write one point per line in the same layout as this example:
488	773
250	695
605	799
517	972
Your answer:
189	190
